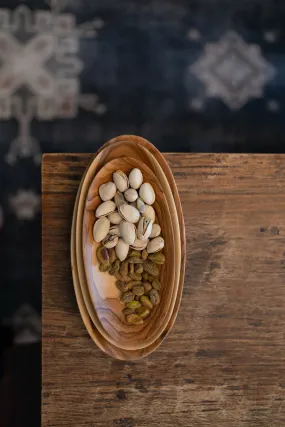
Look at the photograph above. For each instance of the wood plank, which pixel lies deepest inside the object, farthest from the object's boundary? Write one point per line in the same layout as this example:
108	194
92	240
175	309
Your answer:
223	362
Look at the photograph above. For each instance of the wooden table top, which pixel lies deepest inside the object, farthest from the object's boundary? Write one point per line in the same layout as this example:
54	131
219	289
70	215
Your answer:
223	363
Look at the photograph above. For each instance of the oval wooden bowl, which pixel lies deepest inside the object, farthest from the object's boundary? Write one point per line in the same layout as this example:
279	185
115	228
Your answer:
154	159
104	294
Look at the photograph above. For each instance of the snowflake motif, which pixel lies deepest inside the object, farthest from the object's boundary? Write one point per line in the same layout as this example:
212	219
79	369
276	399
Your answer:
233	71
27	325
25	204
46	64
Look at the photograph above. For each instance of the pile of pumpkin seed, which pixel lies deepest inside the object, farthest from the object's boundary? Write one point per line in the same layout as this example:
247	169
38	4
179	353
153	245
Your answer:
130	242
137	279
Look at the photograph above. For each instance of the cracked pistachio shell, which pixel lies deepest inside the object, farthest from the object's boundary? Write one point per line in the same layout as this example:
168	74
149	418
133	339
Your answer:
144	228
135	178
122	249
129	213
105	209
119	199
110	241
107	191
128	232
147	193
140	244
101	229
121	180
115	229
149	213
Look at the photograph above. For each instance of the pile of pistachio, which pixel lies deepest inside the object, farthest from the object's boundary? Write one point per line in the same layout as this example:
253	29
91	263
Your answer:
130	242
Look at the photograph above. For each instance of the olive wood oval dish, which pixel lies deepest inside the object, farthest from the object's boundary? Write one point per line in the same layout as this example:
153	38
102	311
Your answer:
109	319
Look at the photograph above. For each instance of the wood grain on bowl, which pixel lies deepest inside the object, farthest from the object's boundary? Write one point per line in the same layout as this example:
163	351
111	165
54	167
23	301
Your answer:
105	297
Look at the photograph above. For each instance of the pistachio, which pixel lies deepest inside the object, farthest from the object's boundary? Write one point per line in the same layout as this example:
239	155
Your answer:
151	278
138	268
134	319
138	290
115	229
140	205
154	297
135	178
147	287
137	298
115	218
140	244
155	245
121	180
156	230
149	213
147	193
105	209
107	191
143	312
119	199
133	283
134	253
122	278
134	304
128	232
122	286
112	255
144	254
127	311
131	195
115	268
144	228
145	301
156	284
145	276
127	296
129	213
135	276
124	268
131	268
135	260
150	268
122	249
103	255
110	241
157	258
101	229
104	267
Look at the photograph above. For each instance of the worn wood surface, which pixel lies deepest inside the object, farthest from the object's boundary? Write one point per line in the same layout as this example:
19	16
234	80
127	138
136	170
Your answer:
223	362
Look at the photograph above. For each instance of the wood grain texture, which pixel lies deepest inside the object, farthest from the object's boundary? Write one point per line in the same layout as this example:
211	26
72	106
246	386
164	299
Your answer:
223	363
109	319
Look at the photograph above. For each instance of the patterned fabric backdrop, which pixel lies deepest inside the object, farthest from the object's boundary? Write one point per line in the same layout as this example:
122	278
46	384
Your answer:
189	75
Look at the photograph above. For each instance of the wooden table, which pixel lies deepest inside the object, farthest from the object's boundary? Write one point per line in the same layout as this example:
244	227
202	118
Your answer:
223	363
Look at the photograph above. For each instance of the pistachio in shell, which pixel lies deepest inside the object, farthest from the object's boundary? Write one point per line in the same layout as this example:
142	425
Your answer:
156	230
115	218
144	228
138	290
135	178
110	240
147	193
128	232
127	296
107	191
122	286
129	213
140	245
143	312
150	268
149	213
155	245
105	209
134	304
121	180
154	297
146	302
122	249
127	311
103	255
157	258
140	205
101	229
119	200
156	284
131	195
134	319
